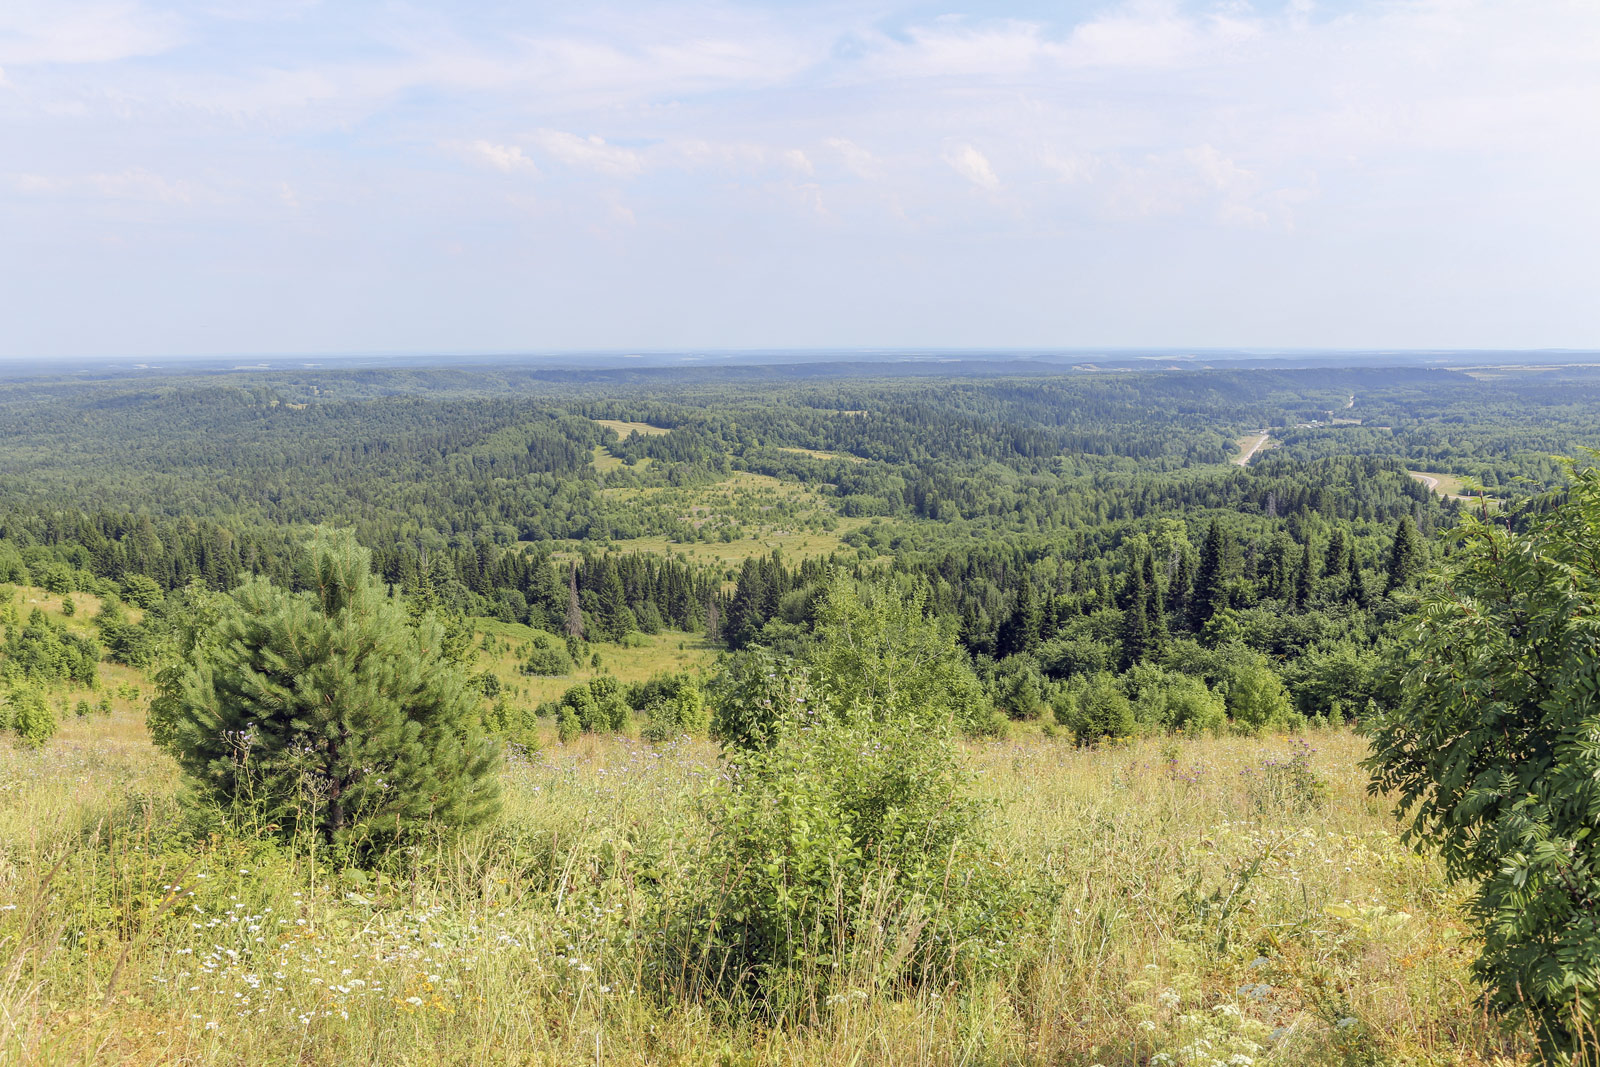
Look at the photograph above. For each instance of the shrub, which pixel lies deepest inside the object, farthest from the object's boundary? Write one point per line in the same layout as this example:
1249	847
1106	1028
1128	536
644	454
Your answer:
596	706
328	712
547	657
847	851
1492	752
876	647
1165	700
1257	699
29	714
1099	709
670	715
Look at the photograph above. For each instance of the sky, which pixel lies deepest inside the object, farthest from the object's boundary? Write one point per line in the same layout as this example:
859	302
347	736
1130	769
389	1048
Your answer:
215	177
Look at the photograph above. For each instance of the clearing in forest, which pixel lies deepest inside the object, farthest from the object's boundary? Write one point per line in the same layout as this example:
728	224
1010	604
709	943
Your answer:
1450	486
625	428
728	521
644	655
1250	444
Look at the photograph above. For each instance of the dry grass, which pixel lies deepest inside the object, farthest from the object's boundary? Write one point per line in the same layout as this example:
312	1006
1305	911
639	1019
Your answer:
669	652
1186	910
623	429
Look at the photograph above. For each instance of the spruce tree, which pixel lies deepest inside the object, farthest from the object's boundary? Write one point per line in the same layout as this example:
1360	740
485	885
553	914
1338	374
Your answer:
1210	594
1356	586
1303	579
1405	555
1155	609
745	614
1135	620
328	712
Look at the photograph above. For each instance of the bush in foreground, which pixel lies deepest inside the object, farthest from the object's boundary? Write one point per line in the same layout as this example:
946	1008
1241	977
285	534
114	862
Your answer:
1494	751
327	712
847	850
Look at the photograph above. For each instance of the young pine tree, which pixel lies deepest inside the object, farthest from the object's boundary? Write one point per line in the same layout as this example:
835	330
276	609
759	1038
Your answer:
330	711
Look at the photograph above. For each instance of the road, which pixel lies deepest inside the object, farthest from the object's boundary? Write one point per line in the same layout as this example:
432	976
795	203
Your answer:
1431	483
1257	445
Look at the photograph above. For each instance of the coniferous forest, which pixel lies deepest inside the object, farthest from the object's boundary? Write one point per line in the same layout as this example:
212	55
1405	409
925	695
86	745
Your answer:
880	713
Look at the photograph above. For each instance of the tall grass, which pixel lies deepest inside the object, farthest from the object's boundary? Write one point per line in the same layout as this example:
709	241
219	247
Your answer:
1195	905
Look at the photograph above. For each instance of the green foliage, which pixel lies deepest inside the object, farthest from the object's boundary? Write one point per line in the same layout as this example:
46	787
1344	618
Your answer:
676	708
329	712
568	726
1257	699
141	591
1286	783
42	652
596	706
28	714
1166	700
876	646
846	844
1098	710
1493	753
547	656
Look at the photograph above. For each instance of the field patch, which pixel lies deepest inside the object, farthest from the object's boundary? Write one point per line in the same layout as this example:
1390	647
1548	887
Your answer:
644	655
817	453
1250	445
623	428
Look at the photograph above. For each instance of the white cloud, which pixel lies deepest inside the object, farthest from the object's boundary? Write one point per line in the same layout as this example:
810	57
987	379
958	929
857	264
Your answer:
502	157
972	165
1395	133
857	160
62	31
131	184
589	153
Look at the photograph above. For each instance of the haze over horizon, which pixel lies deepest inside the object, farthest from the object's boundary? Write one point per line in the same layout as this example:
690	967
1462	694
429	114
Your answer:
304	178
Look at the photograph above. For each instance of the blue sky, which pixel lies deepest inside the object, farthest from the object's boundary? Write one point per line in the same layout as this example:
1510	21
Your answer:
296	176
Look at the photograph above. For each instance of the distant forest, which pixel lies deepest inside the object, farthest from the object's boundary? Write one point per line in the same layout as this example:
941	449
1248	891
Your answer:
1070	527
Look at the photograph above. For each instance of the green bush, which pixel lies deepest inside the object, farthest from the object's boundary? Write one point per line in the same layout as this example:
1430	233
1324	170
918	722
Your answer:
1257	699
328	713
1493	753
547	657
670	715
1167	701
848	852
1098	709
28	713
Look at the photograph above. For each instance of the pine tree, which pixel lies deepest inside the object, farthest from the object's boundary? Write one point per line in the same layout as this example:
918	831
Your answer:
1356	582
1405	555
1303	579
1210	593
1135	620
328	711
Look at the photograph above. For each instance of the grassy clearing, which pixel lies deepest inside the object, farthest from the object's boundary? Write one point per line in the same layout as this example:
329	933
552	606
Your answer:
604	462
1438	482
794	544
760	513
1202	906
1250	446
644	656
817	453
623	429
1450	486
